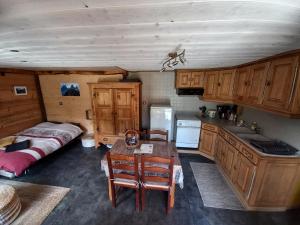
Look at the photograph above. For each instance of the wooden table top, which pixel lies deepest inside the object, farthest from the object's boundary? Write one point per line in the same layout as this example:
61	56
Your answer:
160	148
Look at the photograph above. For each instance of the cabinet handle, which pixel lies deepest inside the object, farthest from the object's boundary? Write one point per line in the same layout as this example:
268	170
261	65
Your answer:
219	84
268	83
105	139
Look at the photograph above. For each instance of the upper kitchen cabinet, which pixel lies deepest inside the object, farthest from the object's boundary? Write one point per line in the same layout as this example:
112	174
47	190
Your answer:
189	79
241	84
280	83
256	83
211	85
225	85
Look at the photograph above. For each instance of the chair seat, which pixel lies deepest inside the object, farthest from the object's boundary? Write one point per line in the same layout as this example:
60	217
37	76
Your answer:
120	181
160	185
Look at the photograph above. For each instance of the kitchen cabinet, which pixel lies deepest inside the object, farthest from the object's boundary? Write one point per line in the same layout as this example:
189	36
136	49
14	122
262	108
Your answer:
252	174
225	85
208	141
116	108
189	79
271	84
211	84
241	84
243	175
280	83
256	83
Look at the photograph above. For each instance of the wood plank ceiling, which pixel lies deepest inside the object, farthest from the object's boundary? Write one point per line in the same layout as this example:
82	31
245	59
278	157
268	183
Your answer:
137	34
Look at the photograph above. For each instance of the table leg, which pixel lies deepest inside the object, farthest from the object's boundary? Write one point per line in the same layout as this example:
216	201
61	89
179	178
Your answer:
172	195
109	190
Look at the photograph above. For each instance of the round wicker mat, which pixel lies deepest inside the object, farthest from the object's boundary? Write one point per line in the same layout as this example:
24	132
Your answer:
10	205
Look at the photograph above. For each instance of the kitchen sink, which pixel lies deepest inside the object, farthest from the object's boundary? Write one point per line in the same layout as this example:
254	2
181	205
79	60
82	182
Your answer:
253	136
239	130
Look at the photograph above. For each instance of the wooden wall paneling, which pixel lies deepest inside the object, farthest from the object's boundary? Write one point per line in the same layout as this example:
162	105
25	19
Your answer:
19	112
68	108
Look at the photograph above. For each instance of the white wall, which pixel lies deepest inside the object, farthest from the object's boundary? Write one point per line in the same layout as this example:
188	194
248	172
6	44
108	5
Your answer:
274	126
160	88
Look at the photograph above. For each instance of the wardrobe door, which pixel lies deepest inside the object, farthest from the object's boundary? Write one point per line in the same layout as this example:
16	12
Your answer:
104	111
124	110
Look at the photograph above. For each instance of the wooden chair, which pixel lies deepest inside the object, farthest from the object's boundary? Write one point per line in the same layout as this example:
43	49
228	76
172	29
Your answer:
163	134
123	172
157	174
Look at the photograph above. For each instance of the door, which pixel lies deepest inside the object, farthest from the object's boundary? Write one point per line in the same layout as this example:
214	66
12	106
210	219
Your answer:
257	81
197	79
226	82
211	84
241	83
124	113
244	175
104	111
208	142
183	79
280	82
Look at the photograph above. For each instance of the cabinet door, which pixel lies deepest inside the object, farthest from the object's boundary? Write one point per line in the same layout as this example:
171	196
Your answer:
245	172
208	143
240	84
197	79
220	149
229	154
211	84
124	110
104	111
225	85
256	84
280	83
183	79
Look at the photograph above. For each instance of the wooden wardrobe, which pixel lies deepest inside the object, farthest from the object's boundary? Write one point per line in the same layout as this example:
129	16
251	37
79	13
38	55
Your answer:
116	108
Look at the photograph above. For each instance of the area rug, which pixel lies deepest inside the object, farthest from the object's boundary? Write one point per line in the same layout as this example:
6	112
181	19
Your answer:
213	189
37	201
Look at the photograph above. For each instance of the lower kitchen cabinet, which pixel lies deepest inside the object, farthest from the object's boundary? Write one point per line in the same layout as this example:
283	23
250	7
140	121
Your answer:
243	175
262	182
208	142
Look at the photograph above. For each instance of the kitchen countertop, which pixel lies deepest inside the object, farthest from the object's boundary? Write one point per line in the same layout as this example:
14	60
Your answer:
244	134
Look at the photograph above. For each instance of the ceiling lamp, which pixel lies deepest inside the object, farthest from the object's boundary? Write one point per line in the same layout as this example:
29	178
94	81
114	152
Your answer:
173	59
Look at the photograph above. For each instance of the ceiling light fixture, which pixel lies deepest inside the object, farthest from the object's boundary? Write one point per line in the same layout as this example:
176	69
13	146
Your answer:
173	59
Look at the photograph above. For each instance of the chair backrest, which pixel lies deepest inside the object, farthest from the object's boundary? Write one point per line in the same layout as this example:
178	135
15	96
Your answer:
157	169
123	166
158	135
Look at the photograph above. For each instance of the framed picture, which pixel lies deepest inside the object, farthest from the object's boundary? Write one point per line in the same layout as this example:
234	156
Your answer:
70	89
20	90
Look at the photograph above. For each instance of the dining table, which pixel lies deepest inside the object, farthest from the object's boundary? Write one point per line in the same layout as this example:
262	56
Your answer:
160	148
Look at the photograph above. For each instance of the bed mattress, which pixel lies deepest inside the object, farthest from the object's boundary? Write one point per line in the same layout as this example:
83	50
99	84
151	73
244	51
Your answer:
45	139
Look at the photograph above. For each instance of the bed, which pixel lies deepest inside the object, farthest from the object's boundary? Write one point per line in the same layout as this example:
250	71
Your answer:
45	138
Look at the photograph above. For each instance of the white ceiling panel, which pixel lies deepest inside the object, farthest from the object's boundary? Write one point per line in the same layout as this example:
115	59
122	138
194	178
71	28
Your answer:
138	34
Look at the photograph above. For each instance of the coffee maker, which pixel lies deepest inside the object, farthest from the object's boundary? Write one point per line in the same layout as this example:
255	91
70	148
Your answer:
225	111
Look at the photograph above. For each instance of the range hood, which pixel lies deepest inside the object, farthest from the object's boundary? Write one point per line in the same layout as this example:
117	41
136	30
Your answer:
189	91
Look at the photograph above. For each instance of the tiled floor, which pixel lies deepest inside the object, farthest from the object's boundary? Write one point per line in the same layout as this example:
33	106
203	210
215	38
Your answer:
87	203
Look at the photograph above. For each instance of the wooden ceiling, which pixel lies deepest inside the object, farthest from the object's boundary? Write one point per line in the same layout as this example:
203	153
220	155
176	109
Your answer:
138	34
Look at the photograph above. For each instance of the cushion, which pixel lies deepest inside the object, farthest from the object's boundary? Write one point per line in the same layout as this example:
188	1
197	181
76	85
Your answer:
18	146
7	141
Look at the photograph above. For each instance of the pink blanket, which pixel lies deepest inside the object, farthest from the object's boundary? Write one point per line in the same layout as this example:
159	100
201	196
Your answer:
45	138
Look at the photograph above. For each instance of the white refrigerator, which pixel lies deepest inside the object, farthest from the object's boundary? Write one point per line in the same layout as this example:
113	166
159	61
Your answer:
162	118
